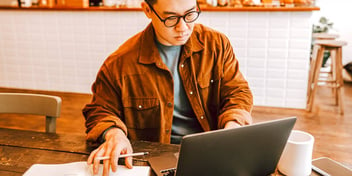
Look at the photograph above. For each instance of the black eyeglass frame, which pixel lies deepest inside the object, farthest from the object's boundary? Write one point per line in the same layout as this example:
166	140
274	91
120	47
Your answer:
178	17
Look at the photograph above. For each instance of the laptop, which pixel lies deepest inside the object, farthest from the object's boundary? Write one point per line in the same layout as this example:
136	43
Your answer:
248	150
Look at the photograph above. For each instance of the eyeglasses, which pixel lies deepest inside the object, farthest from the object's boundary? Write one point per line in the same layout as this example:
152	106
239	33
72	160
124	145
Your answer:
172	21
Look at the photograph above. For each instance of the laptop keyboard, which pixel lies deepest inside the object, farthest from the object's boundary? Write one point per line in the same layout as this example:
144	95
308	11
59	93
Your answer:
168	172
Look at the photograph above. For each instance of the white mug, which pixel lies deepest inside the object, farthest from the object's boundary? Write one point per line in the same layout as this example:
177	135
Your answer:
296	159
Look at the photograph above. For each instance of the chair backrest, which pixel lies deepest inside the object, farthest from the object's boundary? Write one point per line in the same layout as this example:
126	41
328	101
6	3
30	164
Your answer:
35	104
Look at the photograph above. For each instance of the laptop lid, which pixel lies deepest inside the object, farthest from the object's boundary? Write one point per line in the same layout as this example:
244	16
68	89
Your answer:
248	150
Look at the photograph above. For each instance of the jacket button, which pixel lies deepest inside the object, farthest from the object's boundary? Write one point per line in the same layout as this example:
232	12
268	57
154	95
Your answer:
169	104
202	117
140	106
182	65
211	81
191	92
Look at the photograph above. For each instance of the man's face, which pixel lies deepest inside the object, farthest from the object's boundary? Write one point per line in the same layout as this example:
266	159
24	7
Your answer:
176	35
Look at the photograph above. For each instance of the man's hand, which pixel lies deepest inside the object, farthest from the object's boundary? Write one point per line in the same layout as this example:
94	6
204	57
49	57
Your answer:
116	143
232	124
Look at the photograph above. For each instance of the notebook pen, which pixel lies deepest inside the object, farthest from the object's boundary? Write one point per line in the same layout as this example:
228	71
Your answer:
123	155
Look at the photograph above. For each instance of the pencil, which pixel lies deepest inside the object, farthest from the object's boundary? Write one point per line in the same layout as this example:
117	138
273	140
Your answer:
123	156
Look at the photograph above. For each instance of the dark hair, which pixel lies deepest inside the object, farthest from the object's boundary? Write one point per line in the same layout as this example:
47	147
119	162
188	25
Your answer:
151	2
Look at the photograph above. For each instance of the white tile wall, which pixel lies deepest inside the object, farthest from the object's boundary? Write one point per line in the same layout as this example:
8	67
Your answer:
63	50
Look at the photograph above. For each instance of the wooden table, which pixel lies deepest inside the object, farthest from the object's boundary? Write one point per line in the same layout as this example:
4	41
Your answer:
21	149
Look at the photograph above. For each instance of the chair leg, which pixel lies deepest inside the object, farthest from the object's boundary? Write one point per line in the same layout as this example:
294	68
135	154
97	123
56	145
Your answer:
50	124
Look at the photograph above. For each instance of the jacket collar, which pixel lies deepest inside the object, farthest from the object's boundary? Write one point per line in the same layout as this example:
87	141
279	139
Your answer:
149	52
193	44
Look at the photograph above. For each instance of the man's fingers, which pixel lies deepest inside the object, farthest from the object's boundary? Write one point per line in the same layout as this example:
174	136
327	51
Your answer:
125	148
116	144
91	156
96	166
106	168
115	153
129	162
100	152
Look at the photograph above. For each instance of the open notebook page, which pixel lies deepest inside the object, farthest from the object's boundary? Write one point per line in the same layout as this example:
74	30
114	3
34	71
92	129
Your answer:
82	169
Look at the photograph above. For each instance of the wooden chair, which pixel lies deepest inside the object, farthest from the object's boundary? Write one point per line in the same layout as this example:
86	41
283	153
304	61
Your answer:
34	104
335	81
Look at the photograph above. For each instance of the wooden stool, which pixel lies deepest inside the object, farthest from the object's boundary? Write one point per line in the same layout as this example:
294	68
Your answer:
335	81
324	36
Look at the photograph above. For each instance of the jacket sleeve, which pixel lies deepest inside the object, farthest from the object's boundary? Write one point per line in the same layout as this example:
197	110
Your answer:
105	109
236	99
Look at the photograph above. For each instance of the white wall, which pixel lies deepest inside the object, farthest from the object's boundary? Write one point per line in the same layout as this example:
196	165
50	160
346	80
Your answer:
339	12
63	50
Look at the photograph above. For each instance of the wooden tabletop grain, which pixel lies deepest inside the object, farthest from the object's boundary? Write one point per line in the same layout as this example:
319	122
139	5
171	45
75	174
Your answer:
21	149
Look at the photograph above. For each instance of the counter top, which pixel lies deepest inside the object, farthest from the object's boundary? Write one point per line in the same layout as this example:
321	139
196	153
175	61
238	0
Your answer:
204	8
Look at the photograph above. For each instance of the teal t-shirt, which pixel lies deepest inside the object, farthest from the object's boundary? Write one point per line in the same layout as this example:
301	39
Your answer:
184	120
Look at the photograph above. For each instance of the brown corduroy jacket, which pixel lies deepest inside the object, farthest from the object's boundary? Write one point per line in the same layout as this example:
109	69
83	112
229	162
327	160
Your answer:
134	88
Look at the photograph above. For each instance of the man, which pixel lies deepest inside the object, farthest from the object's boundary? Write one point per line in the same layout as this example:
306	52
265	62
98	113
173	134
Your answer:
172	79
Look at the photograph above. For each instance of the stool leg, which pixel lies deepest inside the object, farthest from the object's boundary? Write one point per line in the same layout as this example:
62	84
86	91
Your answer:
339	80
315	77
311	71
334	68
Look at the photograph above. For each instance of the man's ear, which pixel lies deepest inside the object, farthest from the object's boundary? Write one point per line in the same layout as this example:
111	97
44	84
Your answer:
146	9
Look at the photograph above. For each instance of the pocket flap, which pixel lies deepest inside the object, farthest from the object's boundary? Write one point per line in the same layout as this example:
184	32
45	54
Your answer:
206	82
141	103
203	83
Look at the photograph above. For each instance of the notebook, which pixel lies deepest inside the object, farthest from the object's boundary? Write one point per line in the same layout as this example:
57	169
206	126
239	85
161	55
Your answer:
248	150
82	169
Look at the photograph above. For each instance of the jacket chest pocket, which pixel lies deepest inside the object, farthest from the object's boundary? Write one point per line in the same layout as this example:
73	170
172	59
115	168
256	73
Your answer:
142	113
209	90
208	85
